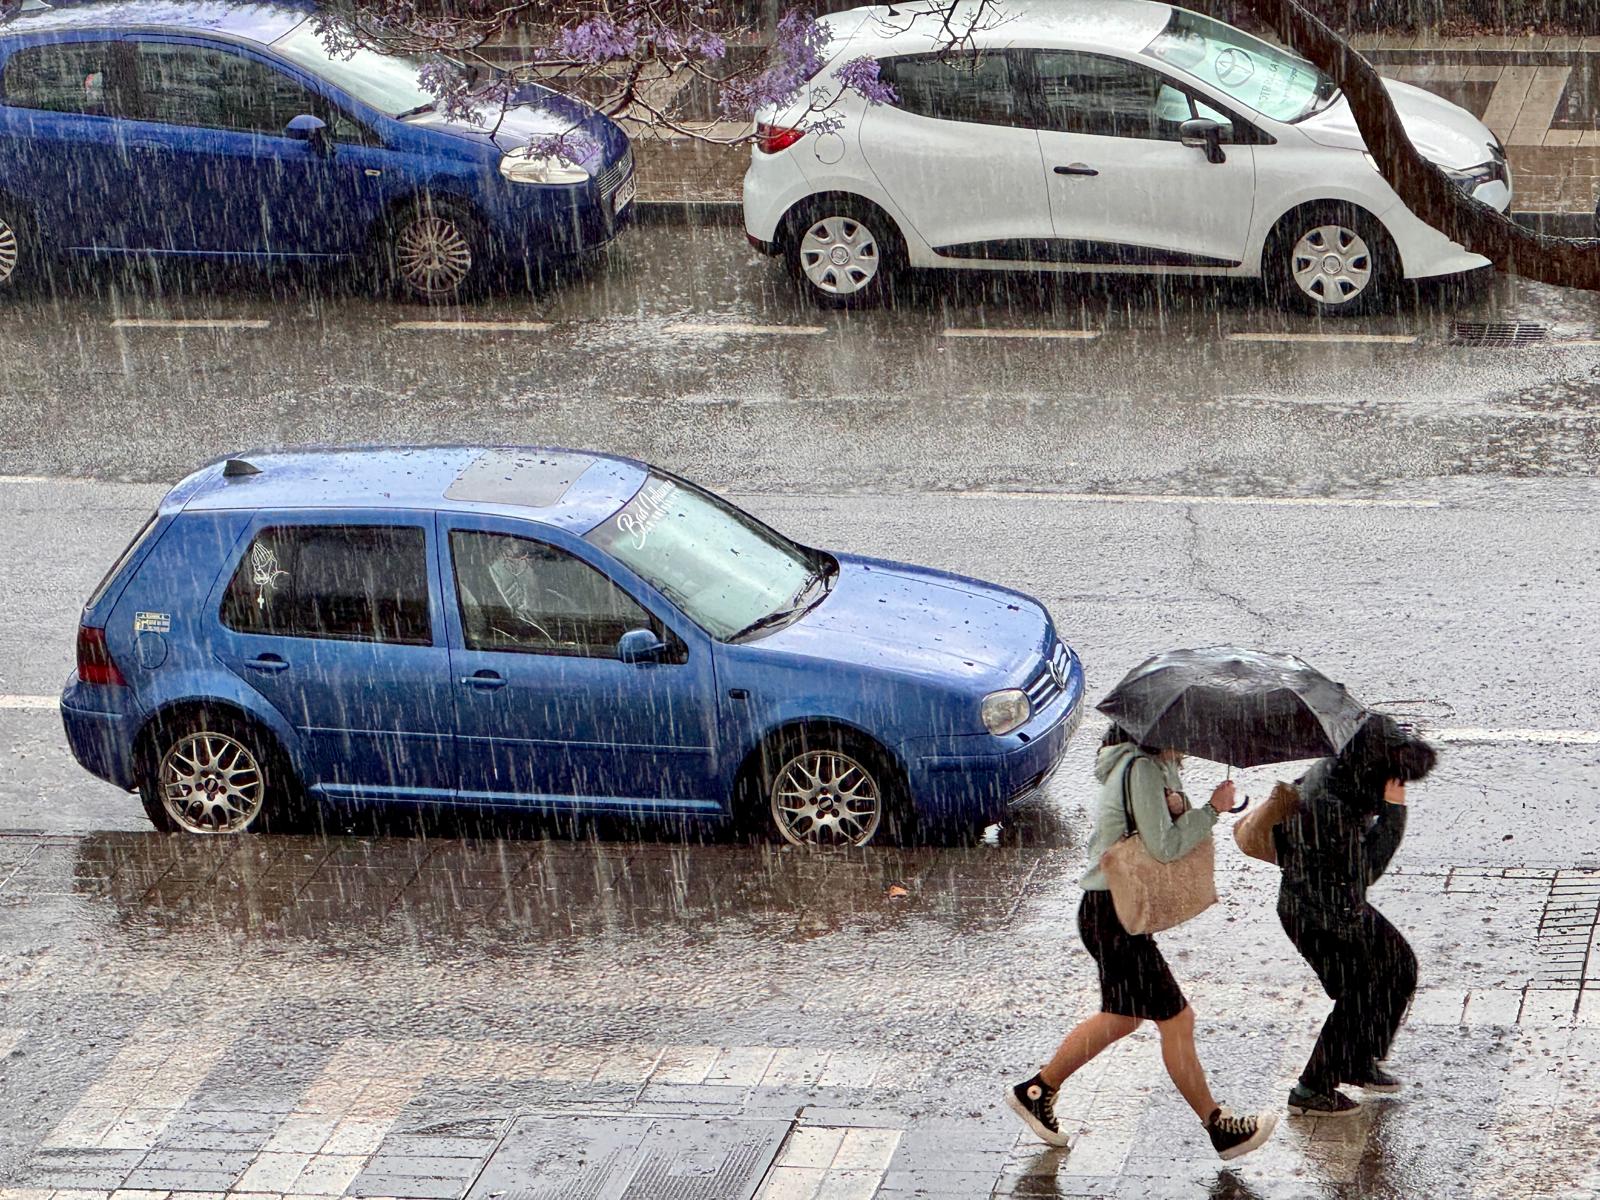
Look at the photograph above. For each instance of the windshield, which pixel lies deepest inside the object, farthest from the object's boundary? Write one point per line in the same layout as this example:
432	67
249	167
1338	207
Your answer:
723	569
388	82
1273	82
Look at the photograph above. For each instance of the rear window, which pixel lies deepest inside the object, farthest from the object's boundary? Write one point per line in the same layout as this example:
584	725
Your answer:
365	583
67	77
957	87
123	560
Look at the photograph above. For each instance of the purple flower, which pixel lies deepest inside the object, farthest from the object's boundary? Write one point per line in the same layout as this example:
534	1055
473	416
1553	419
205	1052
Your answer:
573	146
597	40
860	75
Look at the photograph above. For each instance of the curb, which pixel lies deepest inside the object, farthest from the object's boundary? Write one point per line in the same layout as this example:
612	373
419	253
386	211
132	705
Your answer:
1572	225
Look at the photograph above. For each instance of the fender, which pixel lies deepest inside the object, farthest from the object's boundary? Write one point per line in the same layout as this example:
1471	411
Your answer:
215	685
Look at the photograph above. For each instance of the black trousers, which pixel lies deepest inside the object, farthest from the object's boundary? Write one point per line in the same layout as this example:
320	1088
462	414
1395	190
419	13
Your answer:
1370	973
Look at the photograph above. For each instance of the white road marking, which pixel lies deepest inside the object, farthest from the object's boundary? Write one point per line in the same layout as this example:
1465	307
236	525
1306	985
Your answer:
1535	737
32	479
29	702
473	326
209	323
1376	339
1077	335
1244	501
696	329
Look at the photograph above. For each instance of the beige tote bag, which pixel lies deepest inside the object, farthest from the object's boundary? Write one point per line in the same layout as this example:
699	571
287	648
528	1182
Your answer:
1253	831
1148	894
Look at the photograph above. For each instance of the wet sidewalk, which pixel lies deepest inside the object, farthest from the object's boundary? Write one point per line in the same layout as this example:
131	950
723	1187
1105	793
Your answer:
439	1019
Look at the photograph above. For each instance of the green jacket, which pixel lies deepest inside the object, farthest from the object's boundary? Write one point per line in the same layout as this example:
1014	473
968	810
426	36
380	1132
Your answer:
1165	838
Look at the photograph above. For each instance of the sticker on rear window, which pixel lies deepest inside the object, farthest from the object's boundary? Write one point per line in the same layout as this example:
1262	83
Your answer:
264	572
152	622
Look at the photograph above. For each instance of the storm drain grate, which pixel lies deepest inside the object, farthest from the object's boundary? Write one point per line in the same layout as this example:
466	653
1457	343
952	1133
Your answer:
1569	933
630	1158
1499	333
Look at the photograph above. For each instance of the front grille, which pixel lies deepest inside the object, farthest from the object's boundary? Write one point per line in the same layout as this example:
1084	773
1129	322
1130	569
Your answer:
610	179
1042	689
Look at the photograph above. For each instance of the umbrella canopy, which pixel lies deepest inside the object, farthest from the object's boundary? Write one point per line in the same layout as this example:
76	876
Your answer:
1236	706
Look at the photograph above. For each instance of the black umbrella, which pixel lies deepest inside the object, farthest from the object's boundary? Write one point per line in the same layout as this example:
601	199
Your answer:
1235	706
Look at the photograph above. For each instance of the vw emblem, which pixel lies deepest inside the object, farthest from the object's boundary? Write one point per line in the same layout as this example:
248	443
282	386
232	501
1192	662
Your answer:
1058	672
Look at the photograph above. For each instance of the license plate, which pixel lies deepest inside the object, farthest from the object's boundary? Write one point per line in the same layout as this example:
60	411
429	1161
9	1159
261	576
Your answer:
625	194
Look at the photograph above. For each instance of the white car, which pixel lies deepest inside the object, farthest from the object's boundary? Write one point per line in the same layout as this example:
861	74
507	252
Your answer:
1093	136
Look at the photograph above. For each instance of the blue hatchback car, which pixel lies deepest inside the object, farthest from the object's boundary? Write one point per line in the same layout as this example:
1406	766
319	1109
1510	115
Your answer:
548	629
231	132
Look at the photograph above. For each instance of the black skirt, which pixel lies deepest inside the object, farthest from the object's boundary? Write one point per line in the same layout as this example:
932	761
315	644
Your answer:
1135	980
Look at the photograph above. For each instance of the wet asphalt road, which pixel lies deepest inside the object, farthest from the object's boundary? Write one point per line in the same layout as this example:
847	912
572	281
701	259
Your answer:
392	1014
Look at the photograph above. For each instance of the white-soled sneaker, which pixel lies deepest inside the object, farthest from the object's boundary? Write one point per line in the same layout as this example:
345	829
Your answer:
1233	1136
1034	1101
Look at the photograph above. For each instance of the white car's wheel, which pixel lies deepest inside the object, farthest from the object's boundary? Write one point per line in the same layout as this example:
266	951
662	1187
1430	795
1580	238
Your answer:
1332	260
845	253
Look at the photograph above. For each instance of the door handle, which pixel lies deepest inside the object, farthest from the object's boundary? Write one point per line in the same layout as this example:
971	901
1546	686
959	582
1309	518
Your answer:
486	681
1076	169
267	662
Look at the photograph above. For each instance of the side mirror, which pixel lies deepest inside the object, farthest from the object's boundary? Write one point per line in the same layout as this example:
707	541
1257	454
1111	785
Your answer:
1202	133
311	130
640	646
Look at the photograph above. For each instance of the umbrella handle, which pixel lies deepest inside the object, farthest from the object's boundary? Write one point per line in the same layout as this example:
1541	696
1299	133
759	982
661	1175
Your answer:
1241	807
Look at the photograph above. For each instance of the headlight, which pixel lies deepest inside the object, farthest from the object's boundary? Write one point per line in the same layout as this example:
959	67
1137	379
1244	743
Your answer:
1005	711
522	167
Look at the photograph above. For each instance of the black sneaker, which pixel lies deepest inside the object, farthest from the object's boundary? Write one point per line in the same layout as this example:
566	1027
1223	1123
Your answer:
1234	1137
1035	1102
1303	1102
1376	1079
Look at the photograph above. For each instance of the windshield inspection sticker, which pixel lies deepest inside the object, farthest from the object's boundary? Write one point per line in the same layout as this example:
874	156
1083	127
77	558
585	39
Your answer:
152	622
648	510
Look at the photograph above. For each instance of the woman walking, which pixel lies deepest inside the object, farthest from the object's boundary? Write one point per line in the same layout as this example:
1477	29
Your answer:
1332	848
1135	982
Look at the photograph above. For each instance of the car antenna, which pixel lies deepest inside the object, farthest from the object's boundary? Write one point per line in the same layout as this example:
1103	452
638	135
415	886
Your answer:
235	468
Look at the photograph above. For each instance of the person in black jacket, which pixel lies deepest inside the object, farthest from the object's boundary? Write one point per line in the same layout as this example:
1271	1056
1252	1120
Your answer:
1338	841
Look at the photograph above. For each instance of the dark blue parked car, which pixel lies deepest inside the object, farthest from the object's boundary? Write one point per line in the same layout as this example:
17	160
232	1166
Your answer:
551	630
223	131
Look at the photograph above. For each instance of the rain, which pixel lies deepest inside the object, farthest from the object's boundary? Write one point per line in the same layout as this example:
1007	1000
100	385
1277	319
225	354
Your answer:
656	600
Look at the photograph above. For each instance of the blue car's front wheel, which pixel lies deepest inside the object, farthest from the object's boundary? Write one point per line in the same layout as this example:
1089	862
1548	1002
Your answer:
824	789
435	252
17	246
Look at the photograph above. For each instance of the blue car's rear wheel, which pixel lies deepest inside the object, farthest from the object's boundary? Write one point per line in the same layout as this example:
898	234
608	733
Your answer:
212	773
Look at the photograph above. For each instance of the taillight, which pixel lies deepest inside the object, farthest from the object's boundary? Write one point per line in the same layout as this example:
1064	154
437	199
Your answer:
772	138
94	658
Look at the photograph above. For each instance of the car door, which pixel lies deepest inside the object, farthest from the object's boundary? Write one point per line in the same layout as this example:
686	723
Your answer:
335	619
546	711
221	173
62	139
1124	189
958	153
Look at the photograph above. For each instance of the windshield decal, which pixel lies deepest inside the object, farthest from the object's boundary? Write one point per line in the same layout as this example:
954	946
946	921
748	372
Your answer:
646	512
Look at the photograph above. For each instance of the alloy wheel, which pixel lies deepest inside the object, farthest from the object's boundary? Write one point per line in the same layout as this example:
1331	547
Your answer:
10	251
839	255
1332	264
433	255
825	798
211	783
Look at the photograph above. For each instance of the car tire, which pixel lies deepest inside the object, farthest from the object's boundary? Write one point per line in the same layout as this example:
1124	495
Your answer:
19	248
434	253
212	773
844	252
1331	260
829	788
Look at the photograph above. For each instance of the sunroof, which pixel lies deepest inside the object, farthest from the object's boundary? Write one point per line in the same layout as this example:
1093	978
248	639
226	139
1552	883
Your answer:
518	477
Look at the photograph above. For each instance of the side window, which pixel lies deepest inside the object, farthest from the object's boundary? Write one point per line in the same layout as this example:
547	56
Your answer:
522	595
1110	97
365	583
979	88
68	77
182	84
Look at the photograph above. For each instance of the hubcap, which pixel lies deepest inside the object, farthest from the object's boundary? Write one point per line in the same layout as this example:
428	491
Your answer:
839	255
211	783
1332	264
824	798
10	251
434	255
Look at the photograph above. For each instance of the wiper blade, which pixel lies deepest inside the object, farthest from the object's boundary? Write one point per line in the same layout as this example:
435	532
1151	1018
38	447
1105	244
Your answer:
417	111
797	604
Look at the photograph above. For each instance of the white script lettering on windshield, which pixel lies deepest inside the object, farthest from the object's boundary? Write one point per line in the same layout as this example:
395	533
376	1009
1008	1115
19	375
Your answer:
648	510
